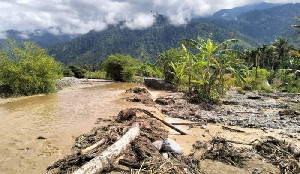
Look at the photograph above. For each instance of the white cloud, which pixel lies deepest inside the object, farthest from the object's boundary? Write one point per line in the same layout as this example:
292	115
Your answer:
81	16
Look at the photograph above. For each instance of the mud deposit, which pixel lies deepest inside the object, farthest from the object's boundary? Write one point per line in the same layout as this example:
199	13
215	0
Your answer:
252	133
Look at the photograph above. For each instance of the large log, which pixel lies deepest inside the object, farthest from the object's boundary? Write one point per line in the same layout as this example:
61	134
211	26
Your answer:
99	163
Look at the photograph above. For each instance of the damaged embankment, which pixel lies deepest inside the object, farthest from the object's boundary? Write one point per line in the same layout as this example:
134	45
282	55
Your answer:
149	152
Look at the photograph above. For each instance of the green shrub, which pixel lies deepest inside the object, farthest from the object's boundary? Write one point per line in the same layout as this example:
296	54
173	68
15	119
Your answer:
27	70
115	66
256	79
128	74
95	75
78	72
67	72
146	70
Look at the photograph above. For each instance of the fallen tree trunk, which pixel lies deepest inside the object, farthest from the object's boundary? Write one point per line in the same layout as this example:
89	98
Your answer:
99	163
86	150
164	122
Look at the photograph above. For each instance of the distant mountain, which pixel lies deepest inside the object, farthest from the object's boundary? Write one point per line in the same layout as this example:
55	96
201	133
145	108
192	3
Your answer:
42	38
144	44
264	25
235	12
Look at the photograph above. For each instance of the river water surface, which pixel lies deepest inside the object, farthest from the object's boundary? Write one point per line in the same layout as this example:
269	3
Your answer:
59	118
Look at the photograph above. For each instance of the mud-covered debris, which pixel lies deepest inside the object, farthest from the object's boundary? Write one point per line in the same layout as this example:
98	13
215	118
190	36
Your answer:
288	113
126	115
164	101
277	152
137	90
220	149
140	94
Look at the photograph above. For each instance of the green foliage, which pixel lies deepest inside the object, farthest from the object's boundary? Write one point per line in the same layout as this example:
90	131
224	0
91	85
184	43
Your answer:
149	70
128	74
174	55
67	72
78	72
256	79
203	69
287	80
95	75
30	70
116	67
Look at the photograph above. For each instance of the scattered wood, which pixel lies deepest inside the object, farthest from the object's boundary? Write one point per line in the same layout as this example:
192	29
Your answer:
254	97
245	112
164	122
232	129
99	143
99	163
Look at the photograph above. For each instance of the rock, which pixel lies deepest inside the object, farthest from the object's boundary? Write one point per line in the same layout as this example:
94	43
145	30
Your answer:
158	84
294	149
158	144
170	145
256	171
203	126
165	155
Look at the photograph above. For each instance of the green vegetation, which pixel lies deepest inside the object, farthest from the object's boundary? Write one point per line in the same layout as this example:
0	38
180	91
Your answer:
120	68
27	70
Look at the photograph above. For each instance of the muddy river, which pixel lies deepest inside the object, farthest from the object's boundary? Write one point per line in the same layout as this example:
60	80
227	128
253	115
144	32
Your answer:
58	118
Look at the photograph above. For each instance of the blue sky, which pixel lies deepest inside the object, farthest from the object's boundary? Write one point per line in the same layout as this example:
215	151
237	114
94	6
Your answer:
81	16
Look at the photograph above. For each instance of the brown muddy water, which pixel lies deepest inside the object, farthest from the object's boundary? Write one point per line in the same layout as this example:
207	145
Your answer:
59	118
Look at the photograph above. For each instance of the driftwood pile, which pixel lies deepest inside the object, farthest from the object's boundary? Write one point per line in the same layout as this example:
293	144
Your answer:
124	145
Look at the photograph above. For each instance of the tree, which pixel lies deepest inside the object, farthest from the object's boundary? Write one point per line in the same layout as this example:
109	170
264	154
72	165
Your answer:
117	67
27	70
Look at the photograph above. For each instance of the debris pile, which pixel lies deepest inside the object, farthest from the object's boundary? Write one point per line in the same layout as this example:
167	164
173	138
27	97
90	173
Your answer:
142	154
140	94
280	154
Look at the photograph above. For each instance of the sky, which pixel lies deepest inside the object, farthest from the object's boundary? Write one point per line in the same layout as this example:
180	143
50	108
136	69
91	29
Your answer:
80	16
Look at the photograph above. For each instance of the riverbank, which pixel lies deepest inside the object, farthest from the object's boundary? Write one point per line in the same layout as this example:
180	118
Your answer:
233	137
65	84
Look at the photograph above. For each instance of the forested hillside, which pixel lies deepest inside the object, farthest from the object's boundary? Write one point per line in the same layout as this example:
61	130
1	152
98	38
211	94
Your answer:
235	12
264	25
143	44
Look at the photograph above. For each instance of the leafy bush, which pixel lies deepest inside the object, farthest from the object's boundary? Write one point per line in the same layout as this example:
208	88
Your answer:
128	74
115	67
257	79
172	55
27	70
286	80
78	72
95	75
67	72
147	70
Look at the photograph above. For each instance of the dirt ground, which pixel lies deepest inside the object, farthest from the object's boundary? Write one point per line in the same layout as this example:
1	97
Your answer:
210	146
